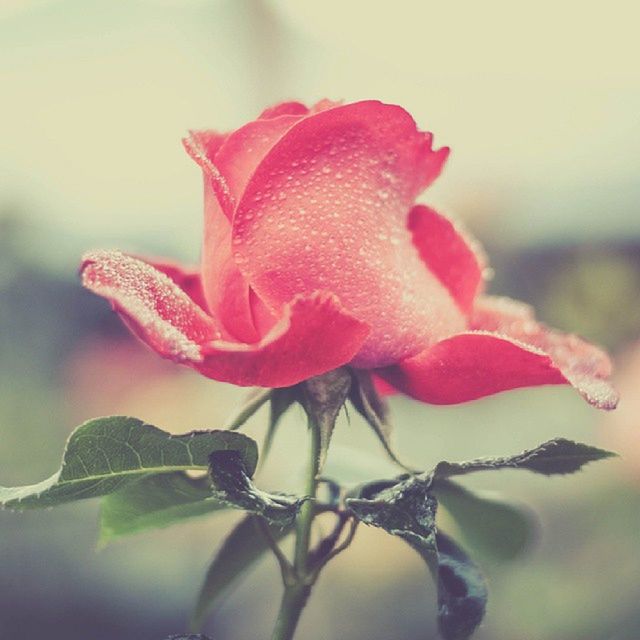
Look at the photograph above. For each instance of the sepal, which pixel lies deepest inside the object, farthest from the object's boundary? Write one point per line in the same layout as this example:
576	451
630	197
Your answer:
374	409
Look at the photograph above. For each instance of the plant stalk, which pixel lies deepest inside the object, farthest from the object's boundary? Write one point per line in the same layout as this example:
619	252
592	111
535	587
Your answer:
293	601
305	517
297	592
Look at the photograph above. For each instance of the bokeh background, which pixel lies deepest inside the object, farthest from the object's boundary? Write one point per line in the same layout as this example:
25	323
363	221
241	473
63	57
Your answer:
539	102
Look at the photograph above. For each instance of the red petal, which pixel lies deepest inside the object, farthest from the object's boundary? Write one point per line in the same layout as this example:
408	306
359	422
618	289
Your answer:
430	162
326	209
188	279
584	365
243	150
226	290
449	253
202	146
291	108
156	309
469	366
205	142
383	387
509	350
315	335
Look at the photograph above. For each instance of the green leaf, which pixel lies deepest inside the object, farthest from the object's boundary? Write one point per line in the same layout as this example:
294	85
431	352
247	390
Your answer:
493	526
232	487
555	457
373	408
105	454
323	398
408	510
406	507
243	547
154	502
462	591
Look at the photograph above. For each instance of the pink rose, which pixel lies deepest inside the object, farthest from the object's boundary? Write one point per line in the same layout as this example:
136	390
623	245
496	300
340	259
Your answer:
315	256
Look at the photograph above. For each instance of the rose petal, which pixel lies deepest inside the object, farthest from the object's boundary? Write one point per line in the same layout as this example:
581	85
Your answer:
243	150
156	309
227	163
188	279
383	387
430	162
584	365
263	319
508	350
225	288
469	366
449	253
315	335
202	147
326	209
291	108
207	142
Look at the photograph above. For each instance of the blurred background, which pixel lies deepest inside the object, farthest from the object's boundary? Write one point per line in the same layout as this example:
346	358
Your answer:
539	103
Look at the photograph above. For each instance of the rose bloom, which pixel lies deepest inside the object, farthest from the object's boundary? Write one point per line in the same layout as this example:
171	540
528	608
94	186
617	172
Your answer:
315	256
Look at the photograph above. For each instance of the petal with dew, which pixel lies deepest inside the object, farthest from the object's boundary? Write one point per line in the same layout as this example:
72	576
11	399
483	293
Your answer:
584	365
449	253
202	146
506	349
468	366
326	209
315	335
225	289
188	279
245	148
155	308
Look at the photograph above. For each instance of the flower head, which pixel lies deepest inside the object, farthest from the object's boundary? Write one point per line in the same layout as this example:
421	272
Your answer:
315	255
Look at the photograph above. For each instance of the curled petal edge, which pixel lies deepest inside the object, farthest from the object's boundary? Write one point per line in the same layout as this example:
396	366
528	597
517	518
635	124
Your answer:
195	145
475	364
154	307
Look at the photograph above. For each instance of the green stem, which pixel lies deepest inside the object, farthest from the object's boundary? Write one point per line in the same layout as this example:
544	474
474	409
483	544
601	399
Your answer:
297	591
293	600
305	517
